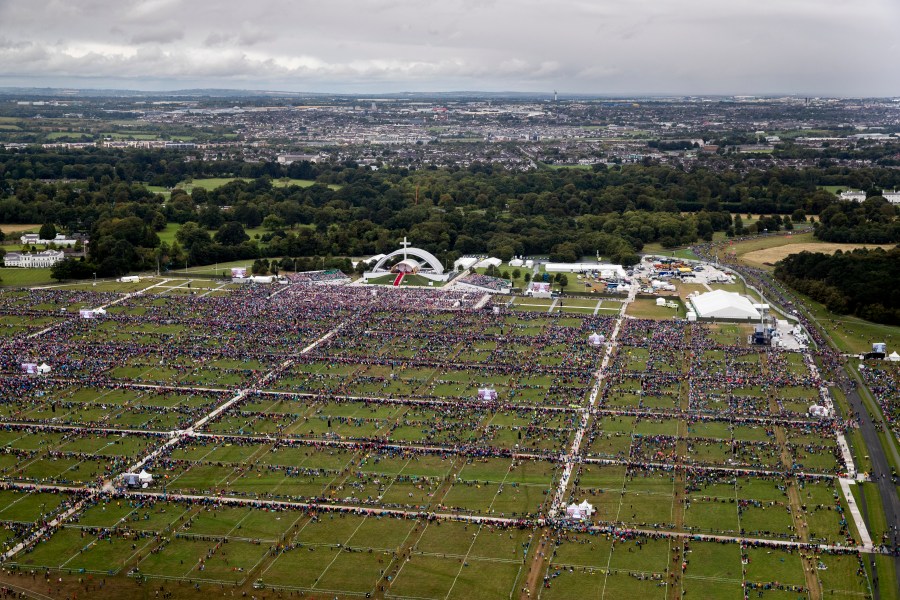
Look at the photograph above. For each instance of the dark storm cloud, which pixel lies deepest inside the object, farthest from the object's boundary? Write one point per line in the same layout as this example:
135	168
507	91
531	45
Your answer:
605	46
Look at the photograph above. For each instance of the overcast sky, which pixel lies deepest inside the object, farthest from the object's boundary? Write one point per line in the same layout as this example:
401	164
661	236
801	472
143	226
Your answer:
818	47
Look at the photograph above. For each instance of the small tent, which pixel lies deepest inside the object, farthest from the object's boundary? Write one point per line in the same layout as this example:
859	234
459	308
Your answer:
579	512
487	394
820	412
596	339
145	478
573	512
893	356
43	369
660	301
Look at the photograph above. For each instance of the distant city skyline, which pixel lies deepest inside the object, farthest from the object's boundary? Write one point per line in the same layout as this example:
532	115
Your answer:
610	47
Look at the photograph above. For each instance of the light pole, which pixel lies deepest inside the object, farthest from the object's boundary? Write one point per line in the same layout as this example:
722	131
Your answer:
95	279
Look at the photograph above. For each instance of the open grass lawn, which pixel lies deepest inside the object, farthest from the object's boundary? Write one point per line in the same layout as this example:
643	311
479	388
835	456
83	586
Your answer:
646	308
656	249
18	229
374	417
767	257
852	334
16	277
212	183
408	280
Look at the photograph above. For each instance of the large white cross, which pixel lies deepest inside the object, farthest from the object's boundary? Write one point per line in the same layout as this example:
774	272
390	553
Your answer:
404	243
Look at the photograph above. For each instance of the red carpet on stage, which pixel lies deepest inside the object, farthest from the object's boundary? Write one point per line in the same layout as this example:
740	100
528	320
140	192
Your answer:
399	279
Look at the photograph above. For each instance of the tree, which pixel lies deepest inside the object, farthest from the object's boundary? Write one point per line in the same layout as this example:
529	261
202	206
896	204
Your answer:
517	274
563	280
2	235
260	266
47	232
273	222
231	234
71	269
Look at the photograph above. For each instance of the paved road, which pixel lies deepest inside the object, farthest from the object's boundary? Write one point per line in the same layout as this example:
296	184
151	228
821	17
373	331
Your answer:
881	472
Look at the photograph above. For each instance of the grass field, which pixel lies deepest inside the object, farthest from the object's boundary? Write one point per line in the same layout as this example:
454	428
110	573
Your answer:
767	257
217	182
14	276
11	228
408	280
316	413
852	334
167	235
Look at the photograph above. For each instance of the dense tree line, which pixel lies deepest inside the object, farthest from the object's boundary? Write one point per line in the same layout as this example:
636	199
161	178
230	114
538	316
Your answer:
354	211
874	221
861	282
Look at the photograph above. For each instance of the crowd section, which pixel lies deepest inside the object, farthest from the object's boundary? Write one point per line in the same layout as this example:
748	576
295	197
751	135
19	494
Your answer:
329	385
486	282
884	381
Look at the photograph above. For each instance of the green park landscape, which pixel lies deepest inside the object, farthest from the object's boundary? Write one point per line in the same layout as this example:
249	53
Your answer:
316	438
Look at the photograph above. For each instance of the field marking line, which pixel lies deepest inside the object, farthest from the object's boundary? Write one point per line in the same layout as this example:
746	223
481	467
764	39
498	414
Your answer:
612	547
465	560
339	550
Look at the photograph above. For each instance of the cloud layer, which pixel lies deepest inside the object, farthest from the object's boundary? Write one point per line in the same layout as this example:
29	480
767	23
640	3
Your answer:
600	46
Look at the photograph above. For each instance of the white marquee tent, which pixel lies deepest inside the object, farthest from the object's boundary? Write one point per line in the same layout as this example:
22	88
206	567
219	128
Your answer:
579	512
596	339
720	304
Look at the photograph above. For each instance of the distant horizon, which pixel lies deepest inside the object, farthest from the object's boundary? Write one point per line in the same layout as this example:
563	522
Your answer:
562	95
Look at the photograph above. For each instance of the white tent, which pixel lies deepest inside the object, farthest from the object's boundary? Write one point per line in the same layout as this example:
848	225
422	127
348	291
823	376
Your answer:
516	262
43	368
660	301
818	411
488	394
596	339
488	262
579	512
466	262
893	356
141	480
720	304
